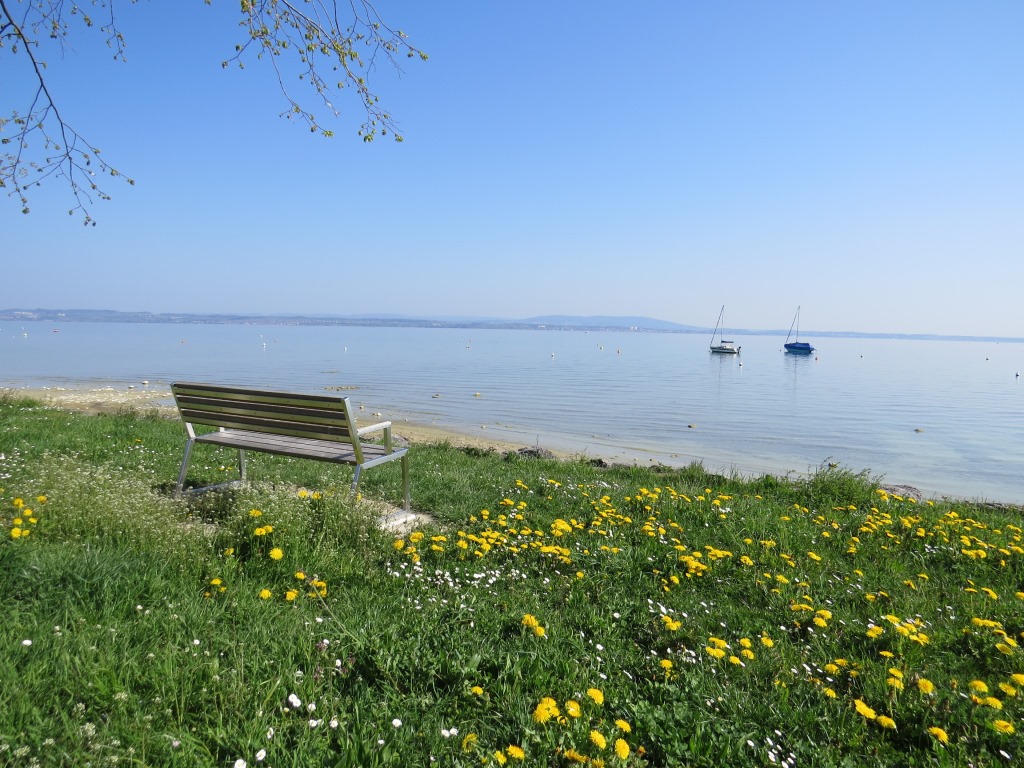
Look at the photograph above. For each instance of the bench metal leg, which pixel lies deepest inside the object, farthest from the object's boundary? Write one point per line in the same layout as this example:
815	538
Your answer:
405	480
241	465
184	467
355	479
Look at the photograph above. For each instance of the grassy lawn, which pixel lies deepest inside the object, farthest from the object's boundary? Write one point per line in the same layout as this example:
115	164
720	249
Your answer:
558	613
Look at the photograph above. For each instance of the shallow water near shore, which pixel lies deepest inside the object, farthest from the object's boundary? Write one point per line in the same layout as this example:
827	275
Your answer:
944	416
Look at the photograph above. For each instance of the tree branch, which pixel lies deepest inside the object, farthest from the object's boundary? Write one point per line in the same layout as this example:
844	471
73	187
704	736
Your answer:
303	41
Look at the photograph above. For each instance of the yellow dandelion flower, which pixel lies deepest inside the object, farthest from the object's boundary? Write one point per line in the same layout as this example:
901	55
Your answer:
216	582
864	710
718	653
546	709
829	692
621	749
992	701
623	726
276	553
468	741
572	708
1003	726
499	757
874	631
254	513
539	631
529	620
399	544
265	594
978	686
515	752
596	695
1018	679
766	641
291	594
940	735
926	686
476	690
666	664
300	575
894	683
886	722
598	740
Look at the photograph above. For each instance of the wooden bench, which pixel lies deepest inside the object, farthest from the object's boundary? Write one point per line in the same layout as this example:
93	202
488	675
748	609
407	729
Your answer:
318	427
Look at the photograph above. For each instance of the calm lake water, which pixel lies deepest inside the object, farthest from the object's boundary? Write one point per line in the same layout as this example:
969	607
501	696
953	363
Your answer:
944	416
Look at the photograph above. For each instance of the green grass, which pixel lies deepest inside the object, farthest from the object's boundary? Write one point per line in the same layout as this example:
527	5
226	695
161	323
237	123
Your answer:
557	612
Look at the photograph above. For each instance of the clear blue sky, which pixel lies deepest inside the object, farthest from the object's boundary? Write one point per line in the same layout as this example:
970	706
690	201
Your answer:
863	159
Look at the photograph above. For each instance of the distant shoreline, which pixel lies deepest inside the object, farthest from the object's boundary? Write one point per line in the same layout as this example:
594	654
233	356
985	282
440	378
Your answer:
549	323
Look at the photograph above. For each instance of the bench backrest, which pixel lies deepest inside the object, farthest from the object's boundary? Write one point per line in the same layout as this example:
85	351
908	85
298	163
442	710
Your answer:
322	417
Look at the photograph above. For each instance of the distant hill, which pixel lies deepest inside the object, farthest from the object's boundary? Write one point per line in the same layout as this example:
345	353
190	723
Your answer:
609	321
542	322
379	319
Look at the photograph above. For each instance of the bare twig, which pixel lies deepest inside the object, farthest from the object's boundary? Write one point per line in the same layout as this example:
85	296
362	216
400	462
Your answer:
303	41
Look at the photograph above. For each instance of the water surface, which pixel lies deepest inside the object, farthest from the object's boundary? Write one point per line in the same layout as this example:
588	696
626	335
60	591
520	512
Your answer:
944	416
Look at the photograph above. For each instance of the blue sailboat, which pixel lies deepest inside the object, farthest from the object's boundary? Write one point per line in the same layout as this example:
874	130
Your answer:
796	346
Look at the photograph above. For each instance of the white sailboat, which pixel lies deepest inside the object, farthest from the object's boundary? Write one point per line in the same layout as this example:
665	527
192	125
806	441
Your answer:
723	347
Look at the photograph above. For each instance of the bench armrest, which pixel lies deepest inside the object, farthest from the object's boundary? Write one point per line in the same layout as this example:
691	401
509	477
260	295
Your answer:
384	426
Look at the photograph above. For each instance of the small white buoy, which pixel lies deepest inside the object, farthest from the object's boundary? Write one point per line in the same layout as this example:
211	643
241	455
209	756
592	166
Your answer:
145	382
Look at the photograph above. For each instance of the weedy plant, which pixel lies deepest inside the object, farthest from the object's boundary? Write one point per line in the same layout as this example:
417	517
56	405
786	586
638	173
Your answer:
556	613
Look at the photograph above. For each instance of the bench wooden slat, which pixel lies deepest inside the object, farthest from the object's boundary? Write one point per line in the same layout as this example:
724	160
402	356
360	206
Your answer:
303	448
328	402
296	429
